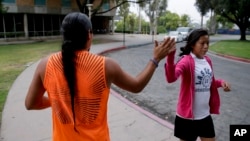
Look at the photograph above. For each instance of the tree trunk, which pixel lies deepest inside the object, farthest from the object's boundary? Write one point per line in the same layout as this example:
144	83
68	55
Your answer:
201	21
242	33
151	28
214	24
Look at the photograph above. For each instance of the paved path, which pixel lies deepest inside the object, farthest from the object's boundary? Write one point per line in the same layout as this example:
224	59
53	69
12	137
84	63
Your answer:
127	121
160	97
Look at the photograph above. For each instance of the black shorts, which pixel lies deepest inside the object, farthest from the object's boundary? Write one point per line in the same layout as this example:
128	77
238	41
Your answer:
189	130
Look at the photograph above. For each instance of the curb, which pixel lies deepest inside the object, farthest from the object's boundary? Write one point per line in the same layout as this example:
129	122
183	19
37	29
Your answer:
141	110
230	57
234	58
112	49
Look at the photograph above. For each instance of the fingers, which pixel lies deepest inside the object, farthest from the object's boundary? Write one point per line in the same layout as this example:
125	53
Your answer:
166	42
156	43
227	89
172	49
168	45
161	50
171	46
226	86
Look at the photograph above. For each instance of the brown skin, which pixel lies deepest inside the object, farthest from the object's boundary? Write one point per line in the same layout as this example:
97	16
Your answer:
201	47
36	98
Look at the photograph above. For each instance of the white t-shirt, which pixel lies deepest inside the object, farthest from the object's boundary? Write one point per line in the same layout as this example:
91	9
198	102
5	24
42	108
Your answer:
203	79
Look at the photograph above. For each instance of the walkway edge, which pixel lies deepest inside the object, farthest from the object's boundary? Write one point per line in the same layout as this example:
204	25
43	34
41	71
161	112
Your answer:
145	112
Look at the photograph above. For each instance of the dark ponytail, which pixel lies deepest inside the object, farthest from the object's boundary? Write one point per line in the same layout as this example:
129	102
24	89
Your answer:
193	37
75	29
68	59
185	50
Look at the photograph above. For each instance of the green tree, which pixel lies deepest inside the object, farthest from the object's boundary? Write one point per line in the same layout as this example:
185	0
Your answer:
203	7
118	25
224	22
145	27
170	21
161	29
141	5
212	24
237	12
154	9
124	9
131	21
82	5
185	20
2	9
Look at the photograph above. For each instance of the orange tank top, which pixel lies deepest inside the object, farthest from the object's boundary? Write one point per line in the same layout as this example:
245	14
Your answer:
91	99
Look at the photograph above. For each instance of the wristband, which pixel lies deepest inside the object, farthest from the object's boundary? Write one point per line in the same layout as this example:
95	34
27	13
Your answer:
155	62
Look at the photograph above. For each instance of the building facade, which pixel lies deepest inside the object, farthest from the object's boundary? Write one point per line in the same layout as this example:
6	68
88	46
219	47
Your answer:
42	18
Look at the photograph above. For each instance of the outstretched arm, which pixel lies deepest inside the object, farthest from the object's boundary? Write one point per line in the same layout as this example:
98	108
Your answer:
135	84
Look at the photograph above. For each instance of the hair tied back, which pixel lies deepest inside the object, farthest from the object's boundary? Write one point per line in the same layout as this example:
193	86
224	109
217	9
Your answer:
67	45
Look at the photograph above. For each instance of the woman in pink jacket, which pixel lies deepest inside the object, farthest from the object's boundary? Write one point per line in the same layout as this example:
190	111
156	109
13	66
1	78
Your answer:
198	96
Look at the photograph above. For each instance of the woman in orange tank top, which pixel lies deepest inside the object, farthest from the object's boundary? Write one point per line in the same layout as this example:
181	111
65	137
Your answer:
78	82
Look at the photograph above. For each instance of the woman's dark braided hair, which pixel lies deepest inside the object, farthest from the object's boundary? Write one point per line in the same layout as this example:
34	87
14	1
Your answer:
75	29
193	37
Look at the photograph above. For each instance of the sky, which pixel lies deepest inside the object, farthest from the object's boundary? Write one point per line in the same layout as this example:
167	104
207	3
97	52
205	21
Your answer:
180	7
185	7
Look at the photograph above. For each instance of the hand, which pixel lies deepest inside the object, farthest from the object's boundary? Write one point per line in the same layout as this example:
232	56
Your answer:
163	49
226	86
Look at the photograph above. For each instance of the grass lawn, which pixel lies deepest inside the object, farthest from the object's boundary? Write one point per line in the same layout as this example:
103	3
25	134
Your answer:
232	47
15	58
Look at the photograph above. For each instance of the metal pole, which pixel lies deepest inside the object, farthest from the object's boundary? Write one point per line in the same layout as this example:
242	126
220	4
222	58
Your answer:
25	24
113	29
124	31
43	26
139	20
34	25
4	30
14	21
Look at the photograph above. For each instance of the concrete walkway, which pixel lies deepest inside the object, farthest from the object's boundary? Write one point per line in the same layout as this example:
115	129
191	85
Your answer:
127	121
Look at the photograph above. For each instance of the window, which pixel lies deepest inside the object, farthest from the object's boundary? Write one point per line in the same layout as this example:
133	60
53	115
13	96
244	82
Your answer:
105	5
66	3
9	1
40	2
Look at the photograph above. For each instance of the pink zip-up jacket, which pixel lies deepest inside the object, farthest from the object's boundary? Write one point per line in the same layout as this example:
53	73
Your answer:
185	68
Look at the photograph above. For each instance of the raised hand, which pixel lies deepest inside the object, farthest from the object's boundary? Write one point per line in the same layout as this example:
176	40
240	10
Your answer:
161	50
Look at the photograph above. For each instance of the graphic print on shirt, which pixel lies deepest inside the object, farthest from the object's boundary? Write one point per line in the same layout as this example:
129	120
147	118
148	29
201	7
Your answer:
203	81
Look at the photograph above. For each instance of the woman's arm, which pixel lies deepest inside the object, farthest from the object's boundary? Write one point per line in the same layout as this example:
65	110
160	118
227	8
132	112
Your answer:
136	84
35	98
